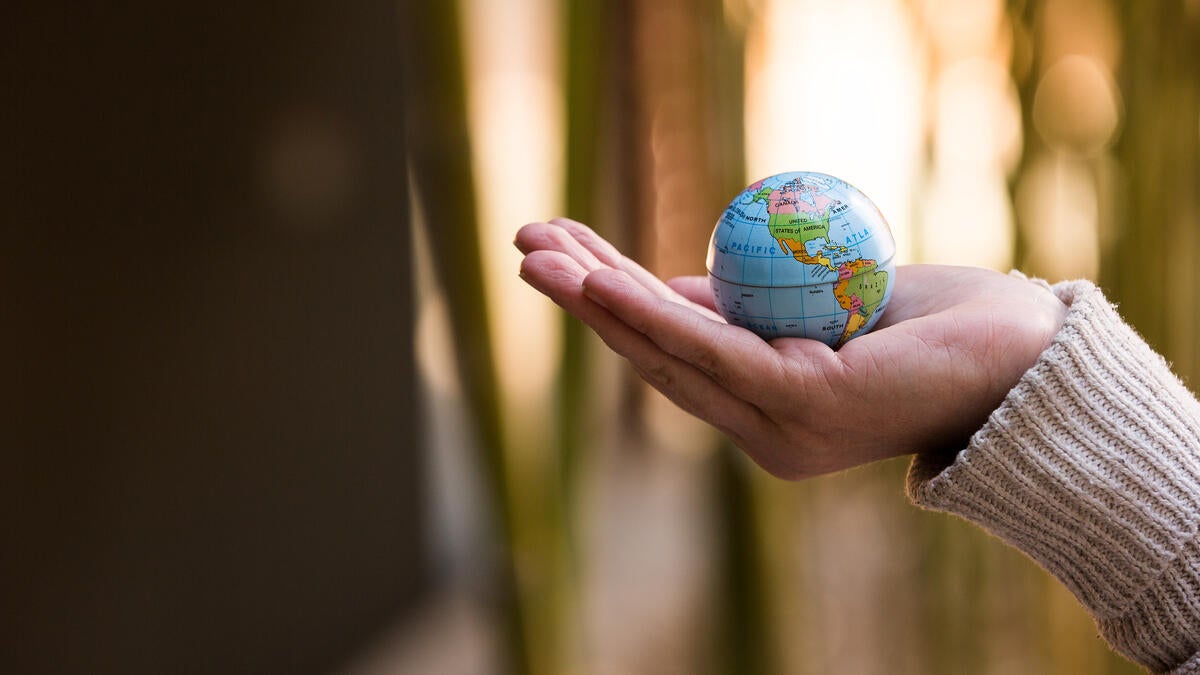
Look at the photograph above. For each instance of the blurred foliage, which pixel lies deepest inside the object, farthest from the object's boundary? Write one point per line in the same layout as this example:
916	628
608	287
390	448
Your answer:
1150	261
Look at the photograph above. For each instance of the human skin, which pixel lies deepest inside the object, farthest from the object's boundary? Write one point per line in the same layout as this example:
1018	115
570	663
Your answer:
952	343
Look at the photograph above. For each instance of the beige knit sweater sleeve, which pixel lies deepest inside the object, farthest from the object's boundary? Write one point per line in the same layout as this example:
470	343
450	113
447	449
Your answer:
1091	466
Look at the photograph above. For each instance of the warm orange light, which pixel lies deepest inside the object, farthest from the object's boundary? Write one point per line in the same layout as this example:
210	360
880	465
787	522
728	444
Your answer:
517	126
838	88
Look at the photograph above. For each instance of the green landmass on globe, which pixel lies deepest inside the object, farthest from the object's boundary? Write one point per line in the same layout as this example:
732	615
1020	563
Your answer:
802	254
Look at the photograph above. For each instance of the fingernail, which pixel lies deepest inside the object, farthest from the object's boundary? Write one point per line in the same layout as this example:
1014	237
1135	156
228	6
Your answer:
532	282
590	294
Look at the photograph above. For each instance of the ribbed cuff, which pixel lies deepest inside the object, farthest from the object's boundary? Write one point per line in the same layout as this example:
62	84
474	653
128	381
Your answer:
1091	466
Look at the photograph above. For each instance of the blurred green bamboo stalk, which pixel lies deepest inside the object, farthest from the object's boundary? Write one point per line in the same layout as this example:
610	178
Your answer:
744	637
583	54
742	626
1024	67
1148	207
440	157
584	41
1151	266
743	641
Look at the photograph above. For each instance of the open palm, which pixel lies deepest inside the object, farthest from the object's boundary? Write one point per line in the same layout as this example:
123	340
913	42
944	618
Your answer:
952	343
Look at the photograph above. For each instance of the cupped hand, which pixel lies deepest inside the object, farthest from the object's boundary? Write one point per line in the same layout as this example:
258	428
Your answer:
951	344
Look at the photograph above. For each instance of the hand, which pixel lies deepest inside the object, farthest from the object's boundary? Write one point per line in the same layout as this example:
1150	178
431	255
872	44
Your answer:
952	343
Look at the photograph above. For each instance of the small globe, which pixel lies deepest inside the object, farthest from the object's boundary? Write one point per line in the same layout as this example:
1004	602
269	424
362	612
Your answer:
802	254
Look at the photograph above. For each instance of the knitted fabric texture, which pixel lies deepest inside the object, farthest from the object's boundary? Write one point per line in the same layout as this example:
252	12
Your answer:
1091	466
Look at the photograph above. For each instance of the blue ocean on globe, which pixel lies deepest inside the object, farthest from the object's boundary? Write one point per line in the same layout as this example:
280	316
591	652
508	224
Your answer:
802	254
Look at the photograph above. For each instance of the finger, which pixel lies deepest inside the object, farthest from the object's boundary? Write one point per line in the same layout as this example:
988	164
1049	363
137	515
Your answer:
561	278
599	246
695	289
736	358
547	237
608	254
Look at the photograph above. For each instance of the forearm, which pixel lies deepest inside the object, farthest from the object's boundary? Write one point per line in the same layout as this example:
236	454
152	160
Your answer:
1091	466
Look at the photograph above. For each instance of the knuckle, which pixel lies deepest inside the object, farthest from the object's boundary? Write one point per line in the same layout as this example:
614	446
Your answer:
658	375
704	358
560	237
640	322
562	221
707	354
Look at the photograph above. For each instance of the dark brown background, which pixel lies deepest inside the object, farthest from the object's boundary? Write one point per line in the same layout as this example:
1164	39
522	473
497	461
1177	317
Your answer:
209	437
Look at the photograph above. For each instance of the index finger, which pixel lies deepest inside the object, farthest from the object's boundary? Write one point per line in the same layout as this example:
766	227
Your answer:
560	277
608	254
736	358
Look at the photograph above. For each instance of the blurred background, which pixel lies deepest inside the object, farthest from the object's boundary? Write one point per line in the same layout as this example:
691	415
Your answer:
281	404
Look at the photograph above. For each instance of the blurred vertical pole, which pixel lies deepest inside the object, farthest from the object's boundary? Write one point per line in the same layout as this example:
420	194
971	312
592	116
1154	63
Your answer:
1064	128
1023	68
742	630
440	154
743	644
585	44
626	171
687	146
677	157
1150	268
